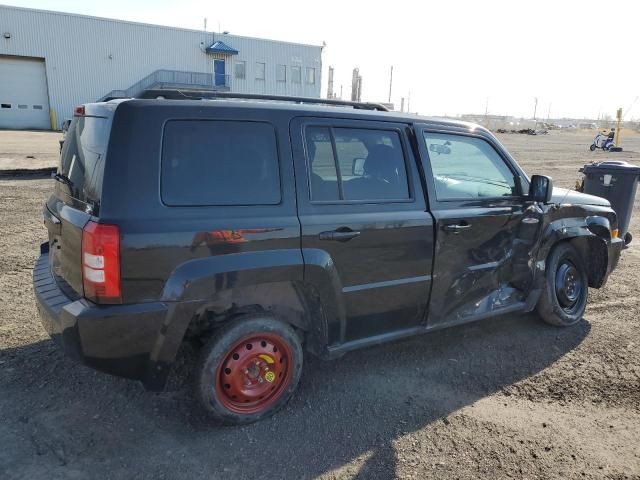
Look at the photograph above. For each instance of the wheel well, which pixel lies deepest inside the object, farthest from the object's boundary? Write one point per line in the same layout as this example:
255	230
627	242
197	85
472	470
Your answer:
594	254
289	302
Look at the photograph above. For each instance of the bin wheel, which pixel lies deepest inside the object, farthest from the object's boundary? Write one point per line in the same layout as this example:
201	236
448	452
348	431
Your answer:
627	238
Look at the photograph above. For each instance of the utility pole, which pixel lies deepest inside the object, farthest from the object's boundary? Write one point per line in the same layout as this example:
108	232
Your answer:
330	93
390	83
402	104
549	112
535	107
409	102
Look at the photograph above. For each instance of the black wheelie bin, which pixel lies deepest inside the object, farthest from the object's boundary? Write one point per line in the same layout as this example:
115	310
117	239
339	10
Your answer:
617	181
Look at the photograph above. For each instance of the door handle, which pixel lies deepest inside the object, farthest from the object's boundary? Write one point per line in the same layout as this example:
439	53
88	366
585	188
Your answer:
456	227
338	235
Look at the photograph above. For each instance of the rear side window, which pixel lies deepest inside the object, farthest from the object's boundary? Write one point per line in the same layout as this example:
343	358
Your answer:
212	162
356	164
82	158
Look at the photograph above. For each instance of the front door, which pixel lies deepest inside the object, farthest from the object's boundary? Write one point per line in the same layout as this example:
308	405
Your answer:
219	75
364	223
477	202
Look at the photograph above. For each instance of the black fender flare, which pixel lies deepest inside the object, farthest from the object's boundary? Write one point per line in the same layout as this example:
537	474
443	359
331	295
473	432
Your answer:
591	235
305	295
198	283
322	275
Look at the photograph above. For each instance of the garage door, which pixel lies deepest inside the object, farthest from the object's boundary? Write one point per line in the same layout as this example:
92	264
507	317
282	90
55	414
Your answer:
24	102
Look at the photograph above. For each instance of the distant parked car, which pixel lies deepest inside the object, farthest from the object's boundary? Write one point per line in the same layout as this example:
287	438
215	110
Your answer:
261	232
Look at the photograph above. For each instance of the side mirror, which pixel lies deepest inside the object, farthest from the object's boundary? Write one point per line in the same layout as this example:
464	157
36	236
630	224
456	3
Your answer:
540	189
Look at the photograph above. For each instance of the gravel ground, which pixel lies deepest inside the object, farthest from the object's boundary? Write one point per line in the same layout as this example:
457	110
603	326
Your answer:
509	397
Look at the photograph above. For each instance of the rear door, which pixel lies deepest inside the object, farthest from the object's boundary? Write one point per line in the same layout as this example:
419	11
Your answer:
477	202
76	198
363	217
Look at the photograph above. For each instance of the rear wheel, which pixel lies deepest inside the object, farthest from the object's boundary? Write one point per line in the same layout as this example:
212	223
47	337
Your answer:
249	369
564	298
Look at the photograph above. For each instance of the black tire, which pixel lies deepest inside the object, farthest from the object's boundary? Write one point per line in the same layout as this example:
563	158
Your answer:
592	147
210	377
566	289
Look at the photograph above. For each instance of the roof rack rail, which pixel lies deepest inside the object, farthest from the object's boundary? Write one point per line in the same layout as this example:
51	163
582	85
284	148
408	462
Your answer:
188	94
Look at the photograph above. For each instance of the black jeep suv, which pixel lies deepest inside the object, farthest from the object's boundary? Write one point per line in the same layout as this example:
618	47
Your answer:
263	229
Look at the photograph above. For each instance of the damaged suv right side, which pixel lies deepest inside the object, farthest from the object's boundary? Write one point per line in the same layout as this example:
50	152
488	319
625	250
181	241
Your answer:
260	231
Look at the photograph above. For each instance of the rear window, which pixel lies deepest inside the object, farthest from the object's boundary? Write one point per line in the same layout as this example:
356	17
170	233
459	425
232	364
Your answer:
214	162
82	158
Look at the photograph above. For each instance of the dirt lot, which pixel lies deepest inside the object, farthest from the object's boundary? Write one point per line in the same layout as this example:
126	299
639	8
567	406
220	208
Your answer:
508	397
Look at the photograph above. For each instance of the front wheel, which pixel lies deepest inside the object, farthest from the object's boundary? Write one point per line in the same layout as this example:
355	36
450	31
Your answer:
564	298
592	147
249	369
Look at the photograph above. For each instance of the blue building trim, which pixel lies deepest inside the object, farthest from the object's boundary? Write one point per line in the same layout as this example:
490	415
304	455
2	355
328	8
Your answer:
221	47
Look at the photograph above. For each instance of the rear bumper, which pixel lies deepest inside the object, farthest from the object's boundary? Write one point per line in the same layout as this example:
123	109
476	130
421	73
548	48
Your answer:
117	339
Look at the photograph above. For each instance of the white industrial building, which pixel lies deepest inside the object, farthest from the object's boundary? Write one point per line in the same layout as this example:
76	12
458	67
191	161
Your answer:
52	61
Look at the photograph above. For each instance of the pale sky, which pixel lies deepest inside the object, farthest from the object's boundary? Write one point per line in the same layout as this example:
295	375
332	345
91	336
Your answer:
579	58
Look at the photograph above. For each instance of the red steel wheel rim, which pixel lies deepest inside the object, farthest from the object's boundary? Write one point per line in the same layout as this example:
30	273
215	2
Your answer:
254	373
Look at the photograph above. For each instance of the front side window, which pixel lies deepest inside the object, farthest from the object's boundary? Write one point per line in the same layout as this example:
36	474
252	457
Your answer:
367	164
241	69
281	73
296	75
311	75
260	70
467	168
210	162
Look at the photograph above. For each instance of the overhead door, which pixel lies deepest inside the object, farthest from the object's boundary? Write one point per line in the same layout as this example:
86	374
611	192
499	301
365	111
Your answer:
24	102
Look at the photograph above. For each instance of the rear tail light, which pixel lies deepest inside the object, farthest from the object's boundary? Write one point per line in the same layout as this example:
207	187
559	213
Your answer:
78	111
101	263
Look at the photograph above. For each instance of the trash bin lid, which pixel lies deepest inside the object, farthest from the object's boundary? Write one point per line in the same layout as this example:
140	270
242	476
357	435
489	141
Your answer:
616	166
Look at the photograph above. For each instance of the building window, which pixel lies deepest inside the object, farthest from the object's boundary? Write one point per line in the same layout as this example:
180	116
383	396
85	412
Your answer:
281	73
311	75
260	70
5	105
241	69
296	75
